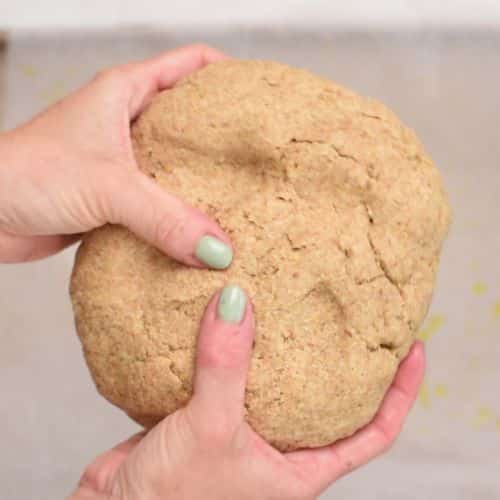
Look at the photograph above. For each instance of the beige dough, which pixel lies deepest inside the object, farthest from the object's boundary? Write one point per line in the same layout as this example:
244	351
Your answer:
337	216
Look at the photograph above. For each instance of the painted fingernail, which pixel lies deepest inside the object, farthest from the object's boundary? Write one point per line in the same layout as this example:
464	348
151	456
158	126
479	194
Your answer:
214	253
232	304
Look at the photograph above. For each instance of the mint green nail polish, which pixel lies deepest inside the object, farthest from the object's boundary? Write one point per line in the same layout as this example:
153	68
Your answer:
214	253
232	303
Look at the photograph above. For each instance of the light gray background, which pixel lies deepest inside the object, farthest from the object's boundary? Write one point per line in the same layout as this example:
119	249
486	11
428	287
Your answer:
22	14
446	86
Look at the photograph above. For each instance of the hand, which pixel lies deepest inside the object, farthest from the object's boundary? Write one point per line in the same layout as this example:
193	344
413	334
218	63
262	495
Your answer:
207	450
72	169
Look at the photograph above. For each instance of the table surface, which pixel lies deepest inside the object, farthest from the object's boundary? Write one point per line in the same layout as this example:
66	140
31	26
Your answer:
446	87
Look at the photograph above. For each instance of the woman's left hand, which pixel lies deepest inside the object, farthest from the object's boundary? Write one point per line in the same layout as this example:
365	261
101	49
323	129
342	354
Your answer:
72	169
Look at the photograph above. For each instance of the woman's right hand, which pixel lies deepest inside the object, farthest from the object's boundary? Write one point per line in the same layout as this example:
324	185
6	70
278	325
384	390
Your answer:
208	451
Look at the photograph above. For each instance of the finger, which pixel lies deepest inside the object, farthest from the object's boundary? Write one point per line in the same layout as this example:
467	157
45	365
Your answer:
223	357
174	227
161	72
15	249
100	473
325	465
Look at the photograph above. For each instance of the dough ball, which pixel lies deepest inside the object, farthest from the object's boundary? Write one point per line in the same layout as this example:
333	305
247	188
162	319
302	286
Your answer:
337	216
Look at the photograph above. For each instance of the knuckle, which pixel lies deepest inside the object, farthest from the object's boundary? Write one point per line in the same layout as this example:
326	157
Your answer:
346	463
215	356
209	357
116	77
106	203
215	434
170	229
92	477
388	434
223	351
204	53
102	75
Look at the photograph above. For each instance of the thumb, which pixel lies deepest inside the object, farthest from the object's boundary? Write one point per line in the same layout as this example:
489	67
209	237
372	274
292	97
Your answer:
173	226
223	358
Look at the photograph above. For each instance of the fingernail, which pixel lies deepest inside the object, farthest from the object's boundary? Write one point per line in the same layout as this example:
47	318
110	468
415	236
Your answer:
232	304
214	253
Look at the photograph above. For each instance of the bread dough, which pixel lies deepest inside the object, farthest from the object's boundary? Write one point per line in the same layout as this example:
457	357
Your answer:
337	216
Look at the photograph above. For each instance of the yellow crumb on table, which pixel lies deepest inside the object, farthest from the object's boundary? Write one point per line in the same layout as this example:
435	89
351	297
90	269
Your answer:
29	70
496	309
424	430
441	391
424	396
479	288
474	364
433	324
483	417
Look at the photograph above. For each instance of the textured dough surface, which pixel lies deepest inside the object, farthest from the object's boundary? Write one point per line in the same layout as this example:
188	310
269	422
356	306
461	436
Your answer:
337	216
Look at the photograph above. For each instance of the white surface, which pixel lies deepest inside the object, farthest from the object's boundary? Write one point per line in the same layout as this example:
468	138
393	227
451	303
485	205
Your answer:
52	422
339	13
